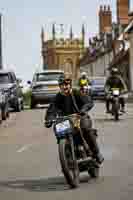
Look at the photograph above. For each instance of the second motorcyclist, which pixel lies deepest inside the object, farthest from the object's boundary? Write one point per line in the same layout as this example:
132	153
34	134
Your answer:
84	83
115	81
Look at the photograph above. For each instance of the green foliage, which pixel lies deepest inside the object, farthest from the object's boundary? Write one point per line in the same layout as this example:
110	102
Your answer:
27	98
75	84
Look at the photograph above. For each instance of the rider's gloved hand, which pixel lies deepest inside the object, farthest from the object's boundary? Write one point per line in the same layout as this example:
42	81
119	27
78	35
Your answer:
48	124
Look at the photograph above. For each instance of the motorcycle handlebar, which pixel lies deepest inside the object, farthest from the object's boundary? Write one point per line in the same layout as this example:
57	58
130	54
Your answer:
66	116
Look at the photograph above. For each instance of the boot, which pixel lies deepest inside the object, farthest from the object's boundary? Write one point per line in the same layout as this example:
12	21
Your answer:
108	111
94	147
122	110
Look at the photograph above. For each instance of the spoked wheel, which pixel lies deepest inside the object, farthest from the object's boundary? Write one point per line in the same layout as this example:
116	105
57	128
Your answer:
116	115
68	162
116	111
4	113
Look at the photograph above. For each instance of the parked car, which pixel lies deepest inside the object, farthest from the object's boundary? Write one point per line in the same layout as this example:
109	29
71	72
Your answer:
10	83
4	104
97	87
44	86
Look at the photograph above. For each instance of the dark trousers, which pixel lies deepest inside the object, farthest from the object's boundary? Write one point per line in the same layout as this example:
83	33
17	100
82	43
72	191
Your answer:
121	100
89	134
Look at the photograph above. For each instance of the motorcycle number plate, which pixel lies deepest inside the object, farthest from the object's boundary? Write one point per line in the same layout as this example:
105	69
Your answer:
116	92
62	127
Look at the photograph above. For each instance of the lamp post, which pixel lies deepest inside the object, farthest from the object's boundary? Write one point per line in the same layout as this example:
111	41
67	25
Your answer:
0	42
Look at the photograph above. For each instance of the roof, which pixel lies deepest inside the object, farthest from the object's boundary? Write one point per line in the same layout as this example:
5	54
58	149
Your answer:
122	52
89	58
126	30
119	58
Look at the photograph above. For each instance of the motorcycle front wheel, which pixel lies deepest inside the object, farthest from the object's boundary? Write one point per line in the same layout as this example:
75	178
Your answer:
116	110
68	161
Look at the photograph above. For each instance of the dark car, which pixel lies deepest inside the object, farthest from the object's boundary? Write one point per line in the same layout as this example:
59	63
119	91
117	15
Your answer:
44	86
97	88
9	83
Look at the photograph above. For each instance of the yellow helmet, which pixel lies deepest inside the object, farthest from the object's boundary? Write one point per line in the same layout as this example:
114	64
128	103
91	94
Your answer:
83	82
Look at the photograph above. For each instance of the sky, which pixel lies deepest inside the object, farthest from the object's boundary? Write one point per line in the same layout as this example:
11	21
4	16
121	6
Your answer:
22	22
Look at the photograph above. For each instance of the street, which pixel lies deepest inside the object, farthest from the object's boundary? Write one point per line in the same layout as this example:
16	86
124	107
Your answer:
30	167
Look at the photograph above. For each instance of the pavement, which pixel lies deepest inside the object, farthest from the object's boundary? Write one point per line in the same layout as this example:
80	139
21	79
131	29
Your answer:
130	97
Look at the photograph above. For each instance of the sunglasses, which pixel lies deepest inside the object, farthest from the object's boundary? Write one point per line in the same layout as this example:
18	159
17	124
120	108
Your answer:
66	82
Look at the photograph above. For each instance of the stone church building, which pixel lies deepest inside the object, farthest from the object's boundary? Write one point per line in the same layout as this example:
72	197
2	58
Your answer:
64	54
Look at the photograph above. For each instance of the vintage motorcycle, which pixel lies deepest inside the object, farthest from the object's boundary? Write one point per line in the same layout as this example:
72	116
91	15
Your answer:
114	95
84	87
74	153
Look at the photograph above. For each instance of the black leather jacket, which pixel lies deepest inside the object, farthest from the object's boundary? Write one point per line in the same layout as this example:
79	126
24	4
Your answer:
66	105
115	82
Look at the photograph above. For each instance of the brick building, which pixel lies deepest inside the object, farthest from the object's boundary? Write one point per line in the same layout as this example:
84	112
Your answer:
105	19
122	12
99	54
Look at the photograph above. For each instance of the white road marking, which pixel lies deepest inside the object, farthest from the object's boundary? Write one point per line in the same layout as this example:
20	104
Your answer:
24	148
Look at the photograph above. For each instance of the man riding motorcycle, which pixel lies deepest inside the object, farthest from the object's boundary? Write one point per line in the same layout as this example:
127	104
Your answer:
84	83
115	81
69	101
84	79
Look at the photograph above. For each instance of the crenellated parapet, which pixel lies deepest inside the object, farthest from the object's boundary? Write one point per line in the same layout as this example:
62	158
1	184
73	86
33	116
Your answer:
71	43
62	42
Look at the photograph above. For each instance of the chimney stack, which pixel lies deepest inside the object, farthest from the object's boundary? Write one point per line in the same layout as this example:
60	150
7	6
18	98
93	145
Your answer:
122	12
105	19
